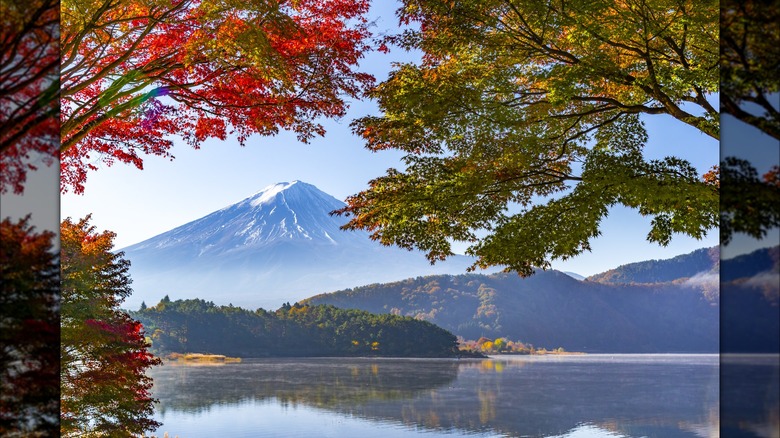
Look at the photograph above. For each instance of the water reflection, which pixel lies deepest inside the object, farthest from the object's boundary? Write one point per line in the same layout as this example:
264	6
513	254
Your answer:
321	383
751	403
590	396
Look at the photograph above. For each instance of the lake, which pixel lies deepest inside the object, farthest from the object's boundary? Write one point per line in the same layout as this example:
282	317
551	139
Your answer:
584	396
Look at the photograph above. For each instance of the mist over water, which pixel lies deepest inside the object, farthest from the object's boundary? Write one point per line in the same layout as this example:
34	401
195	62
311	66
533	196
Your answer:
536	396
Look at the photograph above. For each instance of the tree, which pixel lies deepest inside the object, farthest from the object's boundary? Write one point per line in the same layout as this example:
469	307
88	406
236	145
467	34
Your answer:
136	72
521	126
104	354
29	83
29	270
750	92
29	327
750	58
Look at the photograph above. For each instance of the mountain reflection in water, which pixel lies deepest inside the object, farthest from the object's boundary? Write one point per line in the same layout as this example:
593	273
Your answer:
537	396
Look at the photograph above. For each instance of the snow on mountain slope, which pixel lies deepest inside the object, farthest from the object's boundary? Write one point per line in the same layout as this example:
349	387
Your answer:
277	245
280	212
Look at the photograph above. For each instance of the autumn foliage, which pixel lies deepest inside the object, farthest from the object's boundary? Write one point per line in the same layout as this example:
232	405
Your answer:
136	73
750	58
523	125
29	70
29	365
104	352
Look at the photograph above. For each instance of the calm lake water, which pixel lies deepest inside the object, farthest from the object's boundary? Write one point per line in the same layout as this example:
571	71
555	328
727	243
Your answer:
504	396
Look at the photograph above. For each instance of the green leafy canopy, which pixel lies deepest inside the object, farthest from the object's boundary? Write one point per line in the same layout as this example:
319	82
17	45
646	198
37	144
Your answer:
521	126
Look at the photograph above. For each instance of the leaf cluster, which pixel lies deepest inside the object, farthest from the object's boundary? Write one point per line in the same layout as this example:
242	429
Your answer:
750	203
750	59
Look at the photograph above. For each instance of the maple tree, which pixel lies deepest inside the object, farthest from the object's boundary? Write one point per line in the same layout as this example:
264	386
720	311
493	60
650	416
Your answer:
750	92
137	72
29	269
521	126
104	355
750	58
29	83
29	327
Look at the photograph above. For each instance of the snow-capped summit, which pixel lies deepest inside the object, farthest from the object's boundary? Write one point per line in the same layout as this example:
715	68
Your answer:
269	193
283	212
280	244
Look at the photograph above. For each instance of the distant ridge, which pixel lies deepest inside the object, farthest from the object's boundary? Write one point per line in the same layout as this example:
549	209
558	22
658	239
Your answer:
752	264
685	310
659	271
550	309
574	275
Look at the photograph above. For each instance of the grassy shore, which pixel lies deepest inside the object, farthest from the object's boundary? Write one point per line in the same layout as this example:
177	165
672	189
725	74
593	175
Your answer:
201	358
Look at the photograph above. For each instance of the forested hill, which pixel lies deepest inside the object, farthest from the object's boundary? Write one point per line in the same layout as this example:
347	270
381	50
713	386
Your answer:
705	260
551	309
197	326
750	299
749	265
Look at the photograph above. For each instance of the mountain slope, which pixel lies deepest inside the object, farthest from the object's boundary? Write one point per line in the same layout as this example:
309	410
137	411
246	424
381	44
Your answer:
750	265
750	299
550	309
701	261
280	212
277	245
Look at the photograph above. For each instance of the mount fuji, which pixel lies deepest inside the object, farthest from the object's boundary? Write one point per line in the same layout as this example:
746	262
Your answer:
277	245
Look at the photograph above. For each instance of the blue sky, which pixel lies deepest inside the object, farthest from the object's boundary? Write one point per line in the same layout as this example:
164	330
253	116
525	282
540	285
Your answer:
137	205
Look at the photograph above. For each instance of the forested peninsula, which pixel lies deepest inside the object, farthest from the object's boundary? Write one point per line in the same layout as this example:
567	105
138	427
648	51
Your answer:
198	326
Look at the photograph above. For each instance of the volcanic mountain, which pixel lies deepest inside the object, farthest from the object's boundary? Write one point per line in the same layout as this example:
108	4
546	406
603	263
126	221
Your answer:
277	245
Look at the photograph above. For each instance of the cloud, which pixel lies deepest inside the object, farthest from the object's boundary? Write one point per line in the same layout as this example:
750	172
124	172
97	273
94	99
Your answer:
764	280
704	280
768	283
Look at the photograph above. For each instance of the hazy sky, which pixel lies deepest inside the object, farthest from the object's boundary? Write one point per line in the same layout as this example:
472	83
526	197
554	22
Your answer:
40	199
137	204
